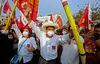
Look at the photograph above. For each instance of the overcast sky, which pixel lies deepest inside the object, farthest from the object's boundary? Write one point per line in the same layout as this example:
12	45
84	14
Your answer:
54	6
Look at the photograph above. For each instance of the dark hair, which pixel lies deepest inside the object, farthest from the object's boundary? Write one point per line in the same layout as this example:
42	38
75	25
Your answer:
10	33
12	30
59	30
97	26
65	27
69	28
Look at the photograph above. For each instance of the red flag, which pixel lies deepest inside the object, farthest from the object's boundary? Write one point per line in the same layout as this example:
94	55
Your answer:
13	20
51	17
20	24
29	8
35	9
59	21
23	5
84	21
6	7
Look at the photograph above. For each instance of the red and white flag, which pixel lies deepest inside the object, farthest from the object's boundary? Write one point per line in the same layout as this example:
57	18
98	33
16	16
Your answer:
51	17
6	7
23	19
59	21
19	24
18	32
29	8
86	18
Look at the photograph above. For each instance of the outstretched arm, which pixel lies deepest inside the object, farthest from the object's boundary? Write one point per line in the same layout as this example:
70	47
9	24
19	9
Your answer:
36	29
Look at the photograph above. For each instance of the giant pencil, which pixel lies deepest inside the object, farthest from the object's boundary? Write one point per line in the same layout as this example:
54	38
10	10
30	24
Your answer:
73	27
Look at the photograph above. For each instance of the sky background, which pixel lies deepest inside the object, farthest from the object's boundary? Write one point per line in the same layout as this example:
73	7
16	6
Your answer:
54	6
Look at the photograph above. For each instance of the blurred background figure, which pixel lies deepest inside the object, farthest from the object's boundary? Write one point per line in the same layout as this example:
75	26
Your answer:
92	45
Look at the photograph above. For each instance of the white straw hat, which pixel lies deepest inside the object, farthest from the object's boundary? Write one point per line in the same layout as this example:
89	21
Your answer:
49	23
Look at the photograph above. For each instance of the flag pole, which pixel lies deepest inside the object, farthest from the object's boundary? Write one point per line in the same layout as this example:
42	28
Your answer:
8	21
74	29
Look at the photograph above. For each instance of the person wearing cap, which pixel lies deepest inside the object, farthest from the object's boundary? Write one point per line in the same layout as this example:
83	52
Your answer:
49	42
28	46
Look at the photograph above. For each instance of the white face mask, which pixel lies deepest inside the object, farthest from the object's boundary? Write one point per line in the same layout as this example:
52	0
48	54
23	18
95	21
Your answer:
25	33
10	37
64	32
50	33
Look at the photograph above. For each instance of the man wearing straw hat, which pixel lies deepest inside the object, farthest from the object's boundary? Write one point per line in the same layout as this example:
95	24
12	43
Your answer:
48	42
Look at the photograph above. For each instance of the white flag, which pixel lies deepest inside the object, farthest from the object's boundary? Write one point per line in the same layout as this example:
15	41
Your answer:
18	32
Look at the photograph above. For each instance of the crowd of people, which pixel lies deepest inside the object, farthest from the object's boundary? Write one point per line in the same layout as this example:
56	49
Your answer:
49	44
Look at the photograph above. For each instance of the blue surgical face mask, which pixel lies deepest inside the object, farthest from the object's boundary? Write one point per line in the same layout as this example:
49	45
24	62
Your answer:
25	33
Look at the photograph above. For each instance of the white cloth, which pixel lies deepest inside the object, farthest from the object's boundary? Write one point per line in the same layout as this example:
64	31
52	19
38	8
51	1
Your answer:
70	53
48	46
24	53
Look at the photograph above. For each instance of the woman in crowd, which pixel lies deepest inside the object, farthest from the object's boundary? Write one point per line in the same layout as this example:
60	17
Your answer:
26	46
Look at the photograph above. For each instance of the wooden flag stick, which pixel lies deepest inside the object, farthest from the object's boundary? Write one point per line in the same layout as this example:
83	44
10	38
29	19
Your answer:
8	21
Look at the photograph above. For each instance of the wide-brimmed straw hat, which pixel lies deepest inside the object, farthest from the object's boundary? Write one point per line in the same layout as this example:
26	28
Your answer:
49	23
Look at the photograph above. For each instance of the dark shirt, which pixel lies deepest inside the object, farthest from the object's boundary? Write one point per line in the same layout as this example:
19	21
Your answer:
94	56
5	49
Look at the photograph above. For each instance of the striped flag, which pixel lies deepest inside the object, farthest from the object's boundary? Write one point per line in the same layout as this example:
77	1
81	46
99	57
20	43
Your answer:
59	21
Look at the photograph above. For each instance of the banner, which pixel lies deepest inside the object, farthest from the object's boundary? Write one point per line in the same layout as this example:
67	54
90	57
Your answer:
23	19
29	8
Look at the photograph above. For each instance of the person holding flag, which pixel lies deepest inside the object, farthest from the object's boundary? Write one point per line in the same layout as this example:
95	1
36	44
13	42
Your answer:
26	46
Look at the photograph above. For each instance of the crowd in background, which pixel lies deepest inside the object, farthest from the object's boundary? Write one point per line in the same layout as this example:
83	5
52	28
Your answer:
50	47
